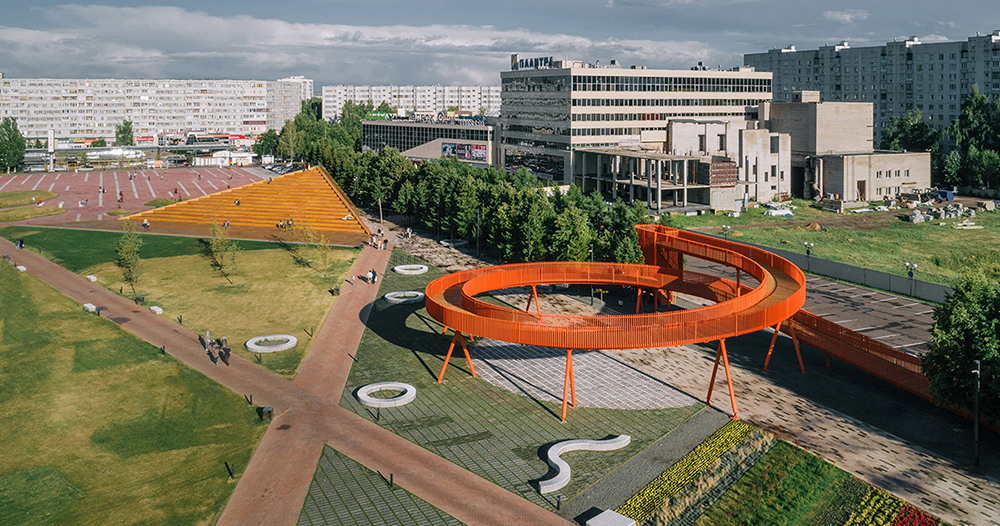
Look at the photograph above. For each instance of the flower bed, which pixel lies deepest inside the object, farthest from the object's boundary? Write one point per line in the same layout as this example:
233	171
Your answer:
877	508
651	498
684	508
910	516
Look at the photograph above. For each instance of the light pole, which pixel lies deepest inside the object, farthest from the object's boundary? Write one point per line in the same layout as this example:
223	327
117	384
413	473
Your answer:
809	247
910	269
725	230
975	429
591	285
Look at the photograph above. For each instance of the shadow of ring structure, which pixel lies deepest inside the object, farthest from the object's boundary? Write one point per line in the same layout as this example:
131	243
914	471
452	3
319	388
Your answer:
737	309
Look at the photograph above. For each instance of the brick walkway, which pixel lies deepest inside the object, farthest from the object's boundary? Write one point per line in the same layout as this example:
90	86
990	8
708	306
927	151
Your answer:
273	487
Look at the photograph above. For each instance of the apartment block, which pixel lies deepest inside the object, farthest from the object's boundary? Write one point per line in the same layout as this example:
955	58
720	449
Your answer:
896	78
414	99
90	108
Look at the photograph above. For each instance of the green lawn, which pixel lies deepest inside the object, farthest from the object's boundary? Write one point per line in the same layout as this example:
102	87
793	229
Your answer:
100	428
81	250
490	431
942	253
24	197
29	212
755	216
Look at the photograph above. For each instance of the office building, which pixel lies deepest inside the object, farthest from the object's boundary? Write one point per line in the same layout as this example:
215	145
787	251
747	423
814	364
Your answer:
468	140
90	108
431	100
896	78
549	108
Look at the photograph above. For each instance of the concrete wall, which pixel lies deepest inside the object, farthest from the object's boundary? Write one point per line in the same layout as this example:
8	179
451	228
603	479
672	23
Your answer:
683	137
755	158
432	150
823	127
841	174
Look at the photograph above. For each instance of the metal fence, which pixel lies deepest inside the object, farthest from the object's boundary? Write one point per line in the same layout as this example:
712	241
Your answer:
922	290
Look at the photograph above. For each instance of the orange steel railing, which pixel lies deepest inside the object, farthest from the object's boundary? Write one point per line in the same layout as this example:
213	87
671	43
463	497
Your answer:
452	299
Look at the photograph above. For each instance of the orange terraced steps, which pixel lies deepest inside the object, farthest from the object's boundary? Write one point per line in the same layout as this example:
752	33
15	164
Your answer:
308	197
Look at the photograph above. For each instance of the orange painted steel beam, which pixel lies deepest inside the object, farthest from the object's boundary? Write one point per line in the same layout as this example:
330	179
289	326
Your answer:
447	357
569	384
795	342
774	338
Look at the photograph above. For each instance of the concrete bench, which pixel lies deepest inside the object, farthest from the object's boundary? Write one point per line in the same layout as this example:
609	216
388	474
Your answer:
611	518
90	307
92	278
156	310
563	473
22	268
408	394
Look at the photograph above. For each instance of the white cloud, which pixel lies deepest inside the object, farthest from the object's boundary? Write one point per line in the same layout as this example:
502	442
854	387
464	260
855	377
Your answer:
102	41
847	16
934	38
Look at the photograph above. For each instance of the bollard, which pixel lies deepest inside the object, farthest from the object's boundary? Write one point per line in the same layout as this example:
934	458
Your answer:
163	349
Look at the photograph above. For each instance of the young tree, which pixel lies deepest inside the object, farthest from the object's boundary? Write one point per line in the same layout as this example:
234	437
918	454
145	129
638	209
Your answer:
12	144
966	328
953	168
225	252
572	237
909	132
99	143
128	255
267	143
386	108
291	140
123	134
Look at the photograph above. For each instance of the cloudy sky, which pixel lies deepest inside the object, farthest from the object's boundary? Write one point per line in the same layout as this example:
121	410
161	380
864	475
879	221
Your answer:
441	41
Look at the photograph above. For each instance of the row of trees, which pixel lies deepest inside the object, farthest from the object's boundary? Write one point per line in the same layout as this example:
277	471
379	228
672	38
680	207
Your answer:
974	159
12	145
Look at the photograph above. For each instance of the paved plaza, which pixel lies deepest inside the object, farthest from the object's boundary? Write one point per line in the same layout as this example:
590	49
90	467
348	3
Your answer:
602	380
77	187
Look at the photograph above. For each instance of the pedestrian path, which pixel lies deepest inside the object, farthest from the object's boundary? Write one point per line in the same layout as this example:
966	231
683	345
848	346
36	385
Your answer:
272	489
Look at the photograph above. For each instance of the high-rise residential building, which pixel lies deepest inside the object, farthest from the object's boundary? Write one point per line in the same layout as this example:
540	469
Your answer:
414	99
306	85
552	108
90	108
898	77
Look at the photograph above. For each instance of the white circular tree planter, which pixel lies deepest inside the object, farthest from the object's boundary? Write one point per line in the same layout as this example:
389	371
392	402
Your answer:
408	394
405	296
410	270
272	343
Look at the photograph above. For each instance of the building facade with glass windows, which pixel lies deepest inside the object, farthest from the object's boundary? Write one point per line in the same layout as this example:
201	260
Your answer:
549	109
898	77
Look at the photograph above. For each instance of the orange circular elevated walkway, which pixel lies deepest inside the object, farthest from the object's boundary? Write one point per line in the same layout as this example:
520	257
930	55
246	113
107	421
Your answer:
738	308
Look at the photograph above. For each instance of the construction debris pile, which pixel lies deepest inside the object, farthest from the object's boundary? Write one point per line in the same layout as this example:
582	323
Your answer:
948	211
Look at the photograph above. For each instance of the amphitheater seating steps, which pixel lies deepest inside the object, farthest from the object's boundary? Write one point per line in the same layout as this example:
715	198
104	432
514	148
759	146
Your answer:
310	198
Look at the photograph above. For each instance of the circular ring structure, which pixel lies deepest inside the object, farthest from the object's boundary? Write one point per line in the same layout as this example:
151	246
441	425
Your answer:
407	296
257	344
409	270
408	394
738	308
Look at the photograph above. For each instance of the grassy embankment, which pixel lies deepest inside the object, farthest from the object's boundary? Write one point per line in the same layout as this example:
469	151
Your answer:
100	428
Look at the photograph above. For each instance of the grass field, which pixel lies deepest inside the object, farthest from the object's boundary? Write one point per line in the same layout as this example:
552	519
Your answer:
100	428
942	253
275	292
24	197
29	212
80	250
272	294
755	216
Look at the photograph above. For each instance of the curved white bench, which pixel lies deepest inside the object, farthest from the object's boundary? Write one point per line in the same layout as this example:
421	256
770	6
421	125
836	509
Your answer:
563	472
409	270
405	296
253	346
409	393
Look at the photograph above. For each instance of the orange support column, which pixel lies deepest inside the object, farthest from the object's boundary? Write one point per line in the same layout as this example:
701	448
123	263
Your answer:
795	341
771	348
568	383
638	299
468	359
534	294
715	369
729	378
447	357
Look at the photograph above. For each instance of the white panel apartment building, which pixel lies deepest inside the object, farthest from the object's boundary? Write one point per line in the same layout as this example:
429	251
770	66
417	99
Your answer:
897	77
431	99
90	108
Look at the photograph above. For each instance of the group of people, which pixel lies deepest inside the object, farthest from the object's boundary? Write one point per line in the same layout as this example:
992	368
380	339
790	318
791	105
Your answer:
372	276
378	242
286	225
84	203
19	244
222	345
145	224
237	202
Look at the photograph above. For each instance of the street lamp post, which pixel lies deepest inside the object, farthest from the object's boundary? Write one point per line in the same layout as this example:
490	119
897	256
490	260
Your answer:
910	269
809	247
975	429
592	285
725	230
